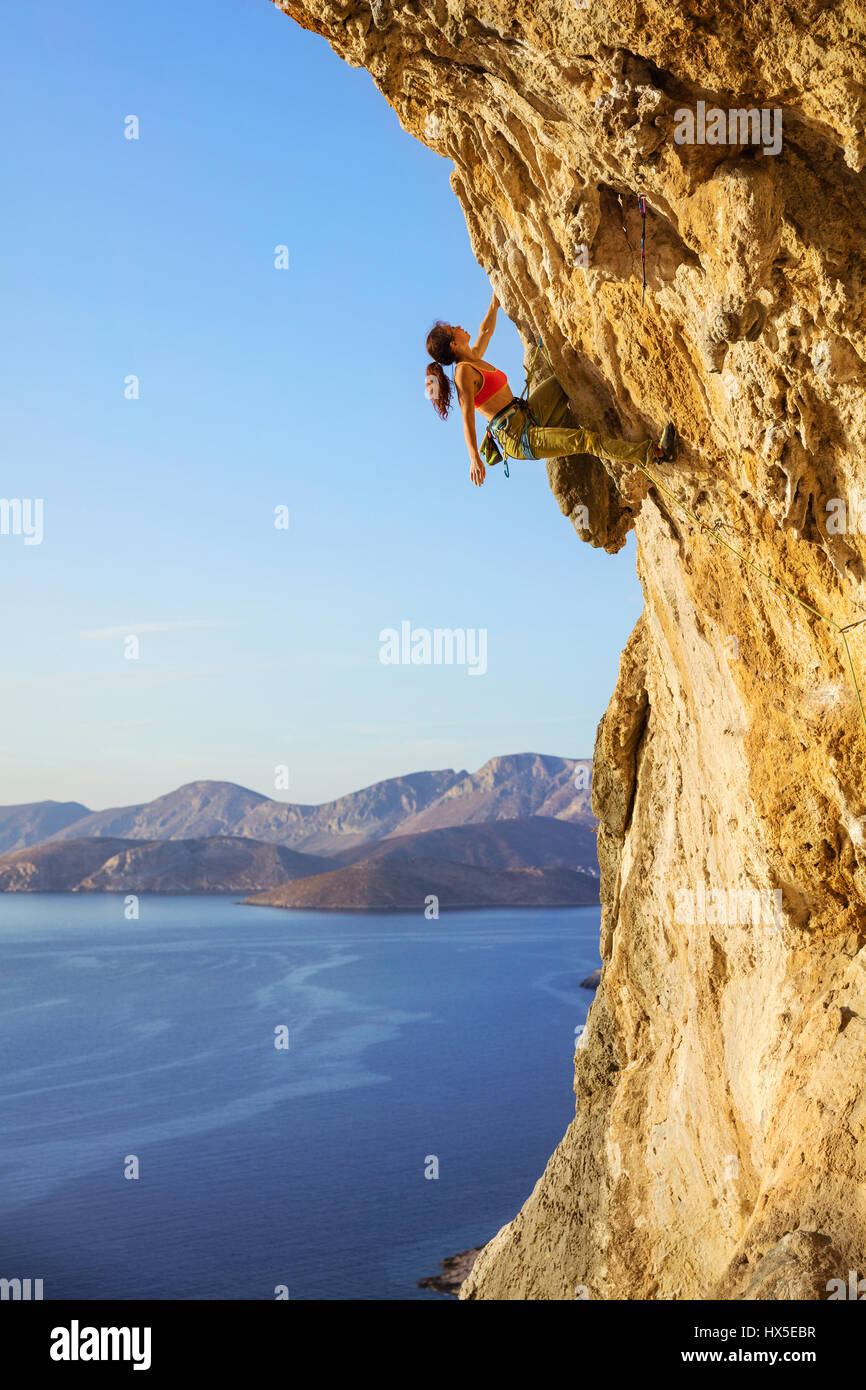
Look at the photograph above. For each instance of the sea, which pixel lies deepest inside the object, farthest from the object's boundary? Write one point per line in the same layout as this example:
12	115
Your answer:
217	1101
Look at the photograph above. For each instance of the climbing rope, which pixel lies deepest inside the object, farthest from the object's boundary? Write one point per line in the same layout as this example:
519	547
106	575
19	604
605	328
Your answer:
713	532
623	225
524	396
641	203
528	377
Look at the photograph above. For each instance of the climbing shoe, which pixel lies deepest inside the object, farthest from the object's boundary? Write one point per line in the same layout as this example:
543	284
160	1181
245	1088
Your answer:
666	448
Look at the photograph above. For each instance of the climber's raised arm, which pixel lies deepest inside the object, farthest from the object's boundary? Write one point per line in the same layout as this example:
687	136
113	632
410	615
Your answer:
485	332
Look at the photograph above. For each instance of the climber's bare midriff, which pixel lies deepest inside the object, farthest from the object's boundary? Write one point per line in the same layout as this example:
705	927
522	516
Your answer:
495	403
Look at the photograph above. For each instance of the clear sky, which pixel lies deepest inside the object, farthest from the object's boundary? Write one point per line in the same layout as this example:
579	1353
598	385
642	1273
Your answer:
258	387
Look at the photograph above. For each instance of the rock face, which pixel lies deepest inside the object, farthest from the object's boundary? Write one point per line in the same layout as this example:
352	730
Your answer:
718	1142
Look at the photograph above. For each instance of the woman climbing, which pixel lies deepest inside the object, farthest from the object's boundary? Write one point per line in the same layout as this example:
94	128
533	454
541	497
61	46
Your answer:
541	427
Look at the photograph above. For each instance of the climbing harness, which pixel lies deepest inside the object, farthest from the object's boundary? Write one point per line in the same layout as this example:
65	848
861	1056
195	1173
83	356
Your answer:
714	532
492	442
500	422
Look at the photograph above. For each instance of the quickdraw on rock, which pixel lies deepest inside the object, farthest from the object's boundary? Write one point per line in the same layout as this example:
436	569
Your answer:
641	202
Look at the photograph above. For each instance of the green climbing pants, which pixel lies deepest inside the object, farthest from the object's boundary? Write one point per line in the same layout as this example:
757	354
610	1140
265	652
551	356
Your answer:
556	435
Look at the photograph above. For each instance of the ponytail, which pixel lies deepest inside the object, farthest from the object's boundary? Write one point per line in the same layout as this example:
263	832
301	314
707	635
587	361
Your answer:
437	386
437	389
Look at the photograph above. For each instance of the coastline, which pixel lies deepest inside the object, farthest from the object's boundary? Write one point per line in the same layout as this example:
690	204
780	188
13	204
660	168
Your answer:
455	1270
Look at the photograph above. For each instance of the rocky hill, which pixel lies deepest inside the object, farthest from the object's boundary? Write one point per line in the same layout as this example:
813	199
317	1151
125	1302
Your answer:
57	867
406	885
718	1141
233	864
529	842
31	823
102	864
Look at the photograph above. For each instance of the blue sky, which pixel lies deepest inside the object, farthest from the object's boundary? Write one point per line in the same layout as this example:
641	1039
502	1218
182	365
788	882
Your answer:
258	388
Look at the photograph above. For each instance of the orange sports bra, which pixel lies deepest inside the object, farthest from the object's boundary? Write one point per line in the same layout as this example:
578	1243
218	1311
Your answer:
493	382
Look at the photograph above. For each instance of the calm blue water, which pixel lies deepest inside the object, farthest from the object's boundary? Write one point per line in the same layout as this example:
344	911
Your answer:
260	1167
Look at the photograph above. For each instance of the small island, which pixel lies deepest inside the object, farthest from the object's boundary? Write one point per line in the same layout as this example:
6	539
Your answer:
406	885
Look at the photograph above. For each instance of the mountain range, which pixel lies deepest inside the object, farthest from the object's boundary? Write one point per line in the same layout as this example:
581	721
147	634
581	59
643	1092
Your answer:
517	832
505	788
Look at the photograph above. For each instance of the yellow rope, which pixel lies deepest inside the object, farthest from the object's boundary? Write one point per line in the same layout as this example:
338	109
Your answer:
840	628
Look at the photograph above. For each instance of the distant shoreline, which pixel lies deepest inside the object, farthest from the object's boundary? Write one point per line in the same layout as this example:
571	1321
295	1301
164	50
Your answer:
410	910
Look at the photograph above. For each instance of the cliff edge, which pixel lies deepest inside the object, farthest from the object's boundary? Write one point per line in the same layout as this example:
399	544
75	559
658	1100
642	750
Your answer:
718	1142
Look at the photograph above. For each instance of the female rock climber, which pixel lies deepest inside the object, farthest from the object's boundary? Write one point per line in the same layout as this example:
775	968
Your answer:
541	427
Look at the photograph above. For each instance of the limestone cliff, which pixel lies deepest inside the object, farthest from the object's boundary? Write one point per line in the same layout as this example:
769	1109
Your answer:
718	1142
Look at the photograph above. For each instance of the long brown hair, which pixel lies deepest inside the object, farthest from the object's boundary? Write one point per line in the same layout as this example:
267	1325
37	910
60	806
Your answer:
438	385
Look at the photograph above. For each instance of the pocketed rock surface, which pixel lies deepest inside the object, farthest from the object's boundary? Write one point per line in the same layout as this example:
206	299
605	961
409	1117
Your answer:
717	1147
